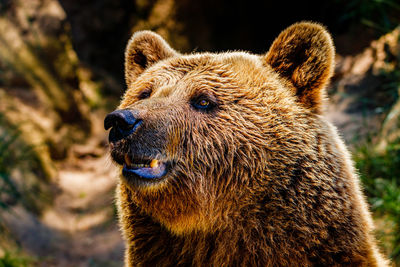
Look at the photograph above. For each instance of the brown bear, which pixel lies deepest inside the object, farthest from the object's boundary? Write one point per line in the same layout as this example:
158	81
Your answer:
227	160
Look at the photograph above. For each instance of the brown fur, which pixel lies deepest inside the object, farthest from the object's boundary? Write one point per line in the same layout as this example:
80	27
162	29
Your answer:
261	180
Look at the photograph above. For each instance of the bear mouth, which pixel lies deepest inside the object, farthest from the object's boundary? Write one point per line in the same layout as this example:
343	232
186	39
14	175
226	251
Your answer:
148	169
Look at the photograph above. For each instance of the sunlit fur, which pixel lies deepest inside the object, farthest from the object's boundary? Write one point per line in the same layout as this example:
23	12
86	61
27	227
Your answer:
262	180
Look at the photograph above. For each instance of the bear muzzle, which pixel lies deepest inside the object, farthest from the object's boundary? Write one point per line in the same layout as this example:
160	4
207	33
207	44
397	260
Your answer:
140	161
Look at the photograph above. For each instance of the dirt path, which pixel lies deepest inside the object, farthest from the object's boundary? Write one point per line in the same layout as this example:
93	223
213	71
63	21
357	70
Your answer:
85	211
80	228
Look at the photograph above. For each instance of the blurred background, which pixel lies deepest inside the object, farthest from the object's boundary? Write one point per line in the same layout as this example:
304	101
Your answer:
61	72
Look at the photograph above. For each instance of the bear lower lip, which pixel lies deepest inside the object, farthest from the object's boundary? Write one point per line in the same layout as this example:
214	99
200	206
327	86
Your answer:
152	171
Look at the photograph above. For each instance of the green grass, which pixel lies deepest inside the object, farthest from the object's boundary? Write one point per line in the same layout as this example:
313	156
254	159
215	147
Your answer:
14	260
30	191
380	174
8	189
22	177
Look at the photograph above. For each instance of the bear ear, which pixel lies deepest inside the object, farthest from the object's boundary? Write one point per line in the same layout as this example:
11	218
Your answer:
304	54
143	50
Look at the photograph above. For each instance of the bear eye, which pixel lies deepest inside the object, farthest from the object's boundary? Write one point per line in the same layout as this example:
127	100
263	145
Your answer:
144	94
203	104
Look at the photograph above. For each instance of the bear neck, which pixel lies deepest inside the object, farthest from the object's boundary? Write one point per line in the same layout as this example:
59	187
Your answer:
229	246
241	241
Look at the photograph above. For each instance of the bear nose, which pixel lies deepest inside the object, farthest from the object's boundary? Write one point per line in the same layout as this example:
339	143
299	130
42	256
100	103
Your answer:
122	123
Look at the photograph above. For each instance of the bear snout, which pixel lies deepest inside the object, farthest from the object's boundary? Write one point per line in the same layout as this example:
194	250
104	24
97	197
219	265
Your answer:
123	123
137	144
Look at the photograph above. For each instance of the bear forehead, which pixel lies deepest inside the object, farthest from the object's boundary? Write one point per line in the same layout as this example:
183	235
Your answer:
211	61
207	70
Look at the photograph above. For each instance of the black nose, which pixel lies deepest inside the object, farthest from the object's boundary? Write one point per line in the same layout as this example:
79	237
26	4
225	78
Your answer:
122	123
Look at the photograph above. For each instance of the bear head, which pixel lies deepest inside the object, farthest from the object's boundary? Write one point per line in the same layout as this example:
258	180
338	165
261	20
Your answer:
203	138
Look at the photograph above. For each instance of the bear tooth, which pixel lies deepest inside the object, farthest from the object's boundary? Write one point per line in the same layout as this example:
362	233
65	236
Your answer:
128	160
135	165
153	163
